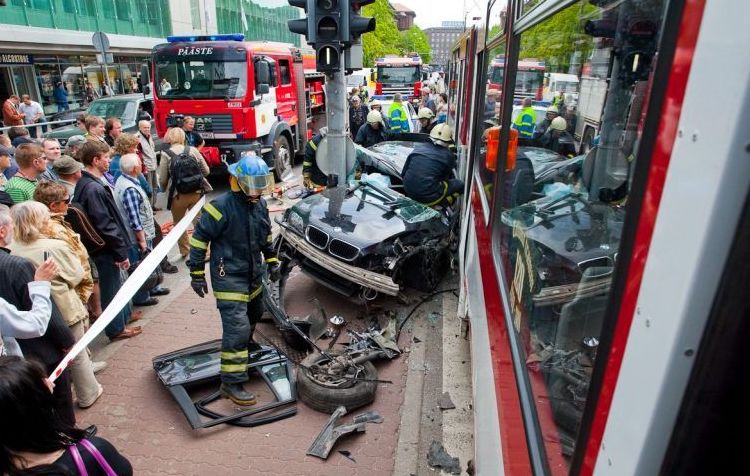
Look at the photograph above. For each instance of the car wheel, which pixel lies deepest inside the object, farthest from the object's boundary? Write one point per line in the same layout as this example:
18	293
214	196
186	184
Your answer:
424	271
324	390
282	159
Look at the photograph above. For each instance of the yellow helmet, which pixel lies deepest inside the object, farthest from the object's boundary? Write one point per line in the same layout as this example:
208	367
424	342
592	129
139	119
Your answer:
442	134
425	113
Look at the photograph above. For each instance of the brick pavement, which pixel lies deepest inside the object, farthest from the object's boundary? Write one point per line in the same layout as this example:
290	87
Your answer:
137	414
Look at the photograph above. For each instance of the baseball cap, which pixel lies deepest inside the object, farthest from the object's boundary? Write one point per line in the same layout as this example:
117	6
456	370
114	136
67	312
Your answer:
67	165
75	140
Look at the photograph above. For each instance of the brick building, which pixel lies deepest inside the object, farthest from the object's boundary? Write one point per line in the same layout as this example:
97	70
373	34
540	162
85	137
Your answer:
404	16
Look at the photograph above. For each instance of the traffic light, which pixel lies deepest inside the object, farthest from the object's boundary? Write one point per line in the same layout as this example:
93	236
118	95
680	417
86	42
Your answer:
327	35
355	25
304	26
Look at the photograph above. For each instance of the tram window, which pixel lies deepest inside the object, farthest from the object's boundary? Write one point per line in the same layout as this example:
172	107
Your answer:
487	139
559	230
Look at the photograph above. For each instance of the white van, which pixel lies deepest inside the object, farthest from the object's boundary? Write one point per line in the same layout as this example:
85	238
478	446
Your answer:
554	83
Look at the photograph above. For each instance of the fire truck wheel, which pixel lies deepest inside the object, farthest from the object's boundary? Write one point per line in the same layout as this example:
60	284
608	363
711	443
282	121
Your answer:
323	392
282	158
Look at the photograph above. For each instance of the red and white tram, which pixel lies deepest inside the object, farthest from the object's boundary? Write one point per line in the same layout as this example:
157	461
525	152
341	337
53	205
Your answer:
607	295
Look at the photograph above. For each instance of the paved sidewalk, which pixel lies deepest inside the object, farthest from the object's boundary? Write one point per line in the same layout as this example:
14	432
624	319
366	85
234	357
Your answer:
142	420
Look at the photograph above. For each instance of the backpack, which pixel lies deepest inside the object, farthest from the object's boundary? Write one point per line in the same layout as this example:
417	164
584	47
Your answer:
186	173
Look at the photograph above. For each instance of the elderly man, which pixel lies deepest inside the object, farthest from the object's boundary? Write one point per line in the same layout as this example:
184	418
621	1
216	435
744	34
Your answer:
357	115
148	152
33	113
52	151
135	210
31	163
73	144
68	171
11	115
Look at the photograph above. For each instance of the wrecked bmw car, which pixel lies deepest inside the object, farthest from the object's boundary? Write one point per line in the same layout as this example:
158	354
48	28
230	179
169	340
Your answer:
373	241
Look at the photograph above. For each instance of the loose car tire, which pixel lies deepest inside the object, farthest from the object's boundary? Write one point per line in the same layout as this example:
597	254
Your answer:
327	399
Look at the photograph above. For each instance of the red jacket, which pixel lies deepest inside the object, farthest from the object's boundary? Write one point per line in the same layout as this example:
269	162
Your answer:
11	116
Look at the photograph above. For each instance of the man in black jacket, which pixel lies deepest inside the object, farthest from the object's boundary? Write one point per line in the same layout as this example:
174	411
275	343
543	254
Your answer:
97	201
428	171
15	275
374	132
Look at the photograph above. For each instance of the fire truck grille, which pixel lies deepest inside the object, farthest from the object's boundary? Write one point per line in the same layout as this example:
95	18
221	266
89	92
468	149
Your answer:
217	123
317	237
343	250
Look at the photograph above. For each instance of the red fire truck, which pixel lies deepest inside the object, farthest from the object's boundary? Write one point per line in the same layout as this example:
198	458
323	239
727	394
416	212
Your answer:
399	75
529	77
259	96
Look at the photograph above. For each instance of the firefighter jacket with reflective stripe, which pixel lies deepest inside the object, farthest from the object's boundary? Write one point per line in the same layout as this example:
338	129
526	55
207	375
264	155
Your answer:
426	172
525	122
310	166
238	232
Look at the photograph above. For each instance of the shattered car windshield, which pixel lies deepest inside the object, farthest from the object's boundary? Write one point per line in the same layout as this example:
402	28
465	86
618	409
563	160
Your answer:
406	208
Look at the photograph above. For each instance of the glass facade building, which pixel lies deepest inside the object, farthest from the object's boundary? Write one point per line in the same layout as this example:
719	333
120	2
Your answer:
123	17
264	20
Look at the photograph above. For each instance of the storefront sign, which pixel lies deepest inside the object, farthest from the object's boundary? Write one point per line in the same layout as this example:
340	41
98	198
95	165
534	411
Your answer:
13	58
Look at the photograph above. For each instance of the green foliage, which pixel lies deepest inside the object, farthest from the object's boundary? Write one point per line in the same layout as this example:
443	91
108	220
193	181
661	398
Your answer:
556	40
385	39
414	40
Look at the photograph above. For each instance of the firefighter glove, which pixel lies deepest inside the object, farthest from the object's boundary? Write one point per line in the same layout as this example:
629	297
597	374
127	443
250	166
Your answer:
198	282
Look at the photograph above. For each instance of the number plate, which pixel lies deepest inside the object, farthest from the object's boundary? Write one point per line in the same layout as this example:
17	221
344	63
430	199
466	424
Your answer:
206	135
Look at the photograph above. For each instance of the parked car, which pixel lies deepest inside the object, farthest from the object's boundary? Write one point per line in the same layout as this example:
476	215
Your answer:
373	240
127	107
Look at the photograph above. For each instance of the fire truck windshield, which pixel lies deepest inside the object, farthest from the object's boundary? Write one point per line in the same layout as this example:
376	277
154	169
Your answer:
201	79
398	74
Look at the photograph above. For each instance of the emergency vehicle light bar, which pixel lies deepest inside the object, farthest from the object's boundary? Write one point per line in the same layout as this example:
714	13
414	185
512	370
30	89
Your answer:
230	37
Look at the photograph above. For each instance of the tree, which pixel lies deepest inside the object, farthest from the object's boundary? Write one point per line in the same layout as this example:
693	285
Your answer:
385	39
414	40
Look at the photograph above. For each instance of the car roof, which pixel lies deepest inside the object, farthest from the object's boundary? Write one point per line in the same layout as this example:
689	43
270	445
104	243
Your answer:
125	97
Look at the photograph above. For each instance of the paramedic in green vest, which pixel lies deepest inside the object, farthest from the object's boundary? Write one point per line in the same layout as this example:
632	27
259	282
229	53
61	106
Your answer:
397	117
237	228
525	122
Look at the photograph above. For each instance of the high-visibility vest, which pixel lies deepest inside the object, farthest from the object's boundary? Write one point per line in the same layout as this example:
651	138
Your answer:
524	123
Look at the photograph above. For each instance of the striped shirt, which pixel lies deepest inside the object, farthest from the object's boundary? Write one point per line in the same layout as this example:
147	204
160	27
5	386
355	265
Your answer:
20	188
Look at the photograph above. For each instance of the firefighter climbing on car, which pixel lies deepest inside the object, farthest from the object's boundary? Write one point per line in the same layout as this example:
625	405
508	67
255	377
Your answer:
428	174
237	228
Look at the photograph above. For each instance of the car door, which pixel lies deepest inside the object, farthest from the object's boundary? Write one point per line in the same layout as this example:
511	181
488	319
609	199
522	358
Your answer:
286	101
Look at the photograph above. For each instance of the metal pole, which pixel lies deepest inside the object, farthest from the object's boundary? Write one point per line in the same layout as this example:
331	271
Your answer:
336	111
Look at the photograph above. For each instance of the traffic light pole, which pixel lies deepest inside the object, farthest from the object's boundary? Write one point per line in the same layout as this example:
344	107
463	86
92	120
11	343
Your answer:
336	112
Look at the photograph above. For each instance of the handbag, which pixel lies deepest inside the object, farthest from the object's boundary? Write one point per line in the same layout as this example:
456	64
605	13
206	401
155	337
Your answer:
81	224
93	451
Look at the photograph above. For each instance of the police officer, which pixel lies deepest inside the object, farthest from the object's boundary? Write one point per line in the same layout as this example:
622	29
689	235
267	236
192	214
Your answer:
426	120
312	176
428	171
237	227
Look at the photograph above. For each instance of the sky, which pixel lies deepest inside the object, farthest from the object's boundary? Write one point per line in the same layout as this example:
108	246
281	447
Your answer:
429	14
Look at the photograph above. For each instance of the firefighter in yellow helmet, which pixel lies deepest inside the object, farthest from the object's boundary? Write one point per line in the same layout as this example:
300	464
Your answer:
426	120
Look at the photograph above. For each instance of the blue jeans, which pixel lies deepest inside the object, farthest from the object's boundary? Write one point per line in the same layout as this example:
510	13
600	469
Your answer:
134	255
110	281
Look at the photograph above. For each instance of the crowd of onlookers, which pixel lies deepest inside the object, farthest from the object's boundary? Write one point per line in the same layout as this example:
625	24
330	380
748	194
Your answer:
74	221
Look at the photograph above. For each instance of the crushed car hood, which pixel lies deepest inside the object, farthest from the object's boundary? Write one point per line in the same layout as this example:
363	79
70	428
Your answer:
367	216
572	227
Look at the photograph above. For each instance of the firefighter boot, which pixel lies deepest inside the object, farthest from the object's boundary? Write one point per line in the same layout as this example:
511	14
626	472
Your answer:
236	393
